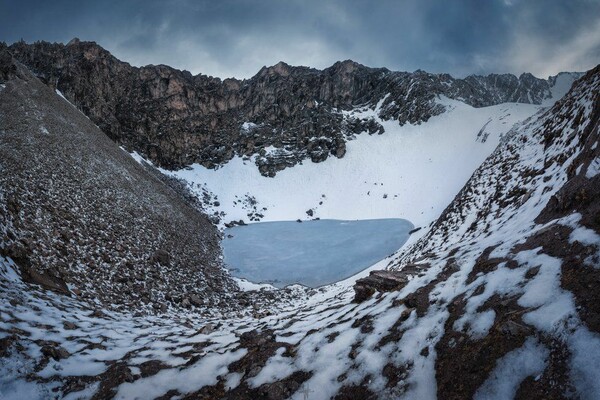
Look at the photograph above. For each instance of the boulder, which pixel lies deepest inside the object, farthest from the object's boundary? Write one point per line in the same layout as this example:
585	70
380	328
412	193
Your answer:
161	256
69	325
380	281
196	300
53	283
54	351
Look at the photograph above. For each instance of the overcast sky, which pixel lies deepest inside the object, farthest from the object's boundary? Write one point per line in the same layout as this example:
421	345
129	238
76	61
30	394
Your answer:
236	38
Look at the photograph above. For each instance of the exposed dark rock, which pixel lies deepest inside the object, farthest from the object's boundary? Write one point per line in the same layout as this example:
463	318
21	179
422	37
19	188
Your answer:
5	344
261	345
45	280
395	374
379	281
8	69
355	393
195	300
161	256
69	325
484	264
54	351
458	355
176	119
149	368
419	299
115	375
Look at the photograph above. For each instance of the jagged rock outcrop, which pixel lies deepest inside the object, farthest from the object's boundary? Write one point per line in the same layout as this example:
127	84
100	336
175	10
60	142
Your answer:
80	216
283	114
384	281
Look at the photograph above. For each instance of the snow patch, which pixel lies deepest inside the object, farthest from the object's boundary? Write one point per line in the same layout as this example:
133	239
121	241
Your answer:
277	367
584	235
139	158
512	369
247	127
247	286
202	373
58	92
593	169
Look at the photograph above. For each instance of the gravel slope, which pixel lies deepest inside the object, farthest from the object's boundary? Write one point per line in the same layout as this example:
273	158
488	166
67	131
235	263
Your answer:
79	215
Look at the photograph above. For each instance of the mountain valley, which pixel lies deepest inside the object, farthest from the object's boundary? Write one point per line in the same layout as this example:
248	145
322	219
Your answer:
117	182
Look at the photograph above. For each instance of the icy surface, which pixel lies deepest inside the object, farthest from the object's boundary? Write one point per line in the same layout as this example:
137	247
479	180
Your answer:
312	253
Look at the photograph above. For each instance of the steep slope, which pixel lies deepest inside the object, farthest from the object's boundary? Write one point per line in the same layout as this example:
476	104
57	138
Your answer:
497	300
509	267
78	215
175	119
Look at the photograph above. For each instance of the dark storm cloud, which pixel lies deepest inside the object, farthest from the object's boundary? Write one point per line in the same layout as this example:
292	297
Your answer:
236	38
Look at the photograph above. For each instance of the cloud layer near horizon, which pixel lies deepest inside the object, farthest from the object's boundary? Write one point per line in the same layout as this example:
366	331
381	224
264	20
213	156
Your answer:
236	38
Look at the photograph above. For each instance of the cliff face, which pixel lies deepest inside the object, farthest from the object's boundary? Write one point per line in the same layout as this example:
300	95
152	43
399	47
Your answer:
80	216
176	119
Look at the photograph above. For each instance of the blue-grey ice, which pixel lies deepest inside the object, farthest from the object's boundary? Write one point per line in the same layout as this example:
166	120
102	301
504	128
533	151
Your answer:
312	253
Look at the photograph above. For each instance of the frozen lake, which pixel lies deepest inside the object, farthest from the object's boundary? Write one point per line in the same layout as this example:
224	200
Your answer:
312	253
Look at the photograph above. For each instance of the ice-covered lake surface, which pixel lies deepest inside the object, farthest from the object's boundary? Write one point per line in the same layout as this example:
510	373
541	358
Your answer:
312	253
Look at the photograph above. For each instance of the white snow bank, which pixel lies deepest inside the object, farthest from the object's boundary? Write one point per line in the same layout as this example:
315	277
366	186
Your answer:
137	157
410	171
247	127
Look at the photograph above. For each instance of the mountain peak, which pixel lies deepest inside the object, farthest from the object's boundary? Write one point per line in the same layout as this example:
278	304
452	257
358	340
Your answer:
289	102
74	41
347	66
281	68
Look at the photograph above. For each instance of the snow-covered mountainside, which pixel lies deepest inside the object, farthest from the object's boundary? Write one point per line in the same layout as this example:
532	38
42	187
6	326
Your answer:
284	114
497	299
494	298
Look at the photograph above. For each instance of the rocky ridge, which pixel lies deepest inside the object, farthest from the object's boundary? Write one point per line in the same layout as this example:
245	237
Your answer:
281	116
